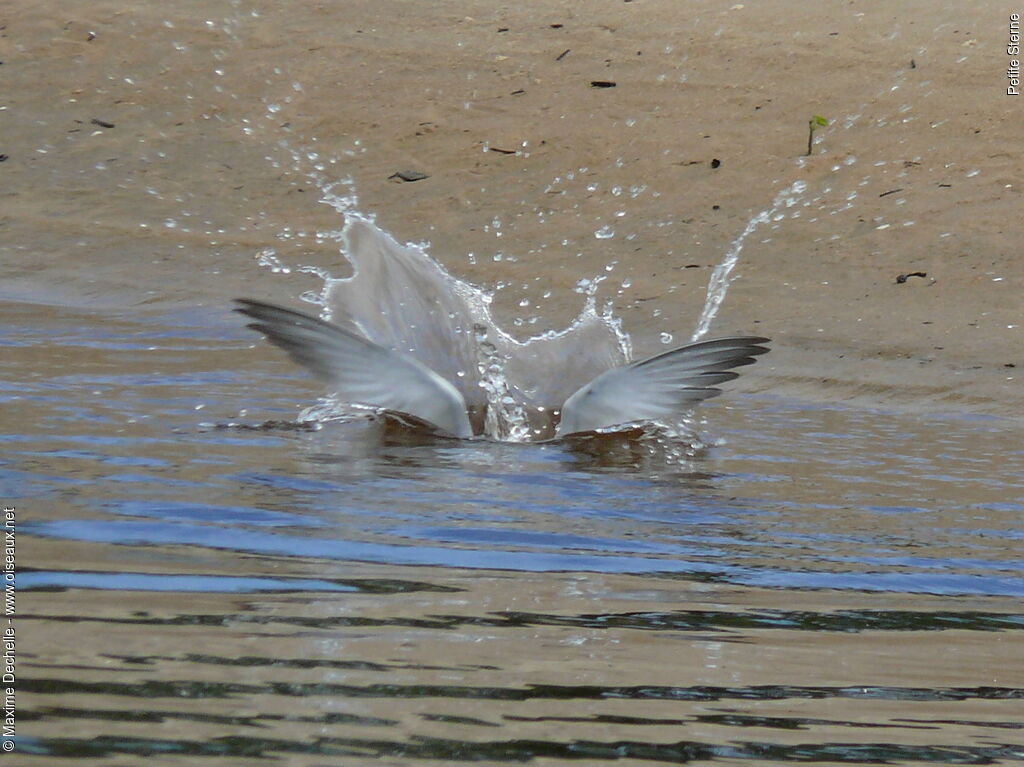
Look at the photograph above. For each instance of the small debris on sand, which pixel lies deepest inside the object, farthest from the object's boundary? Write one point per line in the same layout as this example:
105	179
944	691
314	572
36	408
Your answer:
901	278
408	175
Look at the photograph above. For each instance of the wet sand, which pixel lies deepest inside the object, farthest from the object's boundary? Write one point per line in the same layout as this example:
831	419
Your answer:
217	108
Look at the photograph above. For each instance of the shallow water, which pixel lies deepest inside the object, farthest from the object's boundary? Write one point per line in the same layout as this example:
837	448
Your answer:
821	584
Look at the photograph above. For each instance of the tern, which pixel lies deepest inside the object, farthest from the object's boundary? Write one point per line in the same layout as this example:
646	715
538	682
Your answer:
365	373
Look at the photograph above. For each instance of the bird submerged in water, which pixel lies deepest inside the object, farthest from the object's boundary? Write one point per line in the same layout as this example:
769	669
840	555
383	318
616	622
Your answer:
362	372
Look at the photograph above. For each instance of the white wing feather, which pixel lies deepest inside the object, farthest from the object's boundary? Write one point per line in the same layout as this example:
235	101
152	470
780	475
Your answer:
658	387
361	371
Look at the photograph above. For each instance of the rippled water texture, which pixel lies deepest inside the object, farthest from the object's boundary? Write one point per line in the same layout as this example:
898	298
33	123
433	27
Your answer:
823	584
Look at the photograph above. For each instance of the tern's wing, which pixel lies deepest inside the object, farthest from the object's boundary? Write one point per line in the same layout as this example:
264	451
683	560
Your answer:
362	372
401	299
658	387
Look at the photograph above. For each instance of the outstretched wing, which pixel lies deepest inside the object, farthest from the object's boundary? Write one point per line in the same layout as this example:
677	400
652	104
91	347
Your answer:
661	386
361	371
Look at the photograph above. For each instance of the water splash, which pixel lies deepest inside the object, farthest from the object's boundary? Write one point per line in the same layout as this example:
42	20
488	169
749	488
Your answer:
399	297
505	419
718	284
268	257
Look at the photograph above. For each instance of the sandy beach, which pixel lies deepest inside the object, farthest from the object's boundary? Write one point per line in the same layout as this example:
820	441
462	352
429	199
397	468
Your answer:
150	155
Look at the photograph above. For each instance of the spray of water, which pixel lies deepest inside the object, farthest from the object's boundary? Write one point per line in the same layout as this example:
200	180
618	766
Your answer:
399	297
721	277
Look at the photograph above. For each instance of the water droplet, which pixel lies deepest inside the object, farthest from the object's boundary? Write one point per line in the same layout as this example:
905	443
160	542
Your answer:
604	233
665	338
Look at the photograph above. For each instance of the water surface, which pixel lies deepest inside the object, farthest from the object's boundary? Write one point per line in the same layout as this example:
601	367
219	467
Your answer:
817	584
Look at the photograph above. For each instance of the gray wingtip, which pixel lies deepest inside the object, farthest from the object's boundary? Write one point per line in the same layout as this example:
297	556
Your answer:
246	305
267	312
342	357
